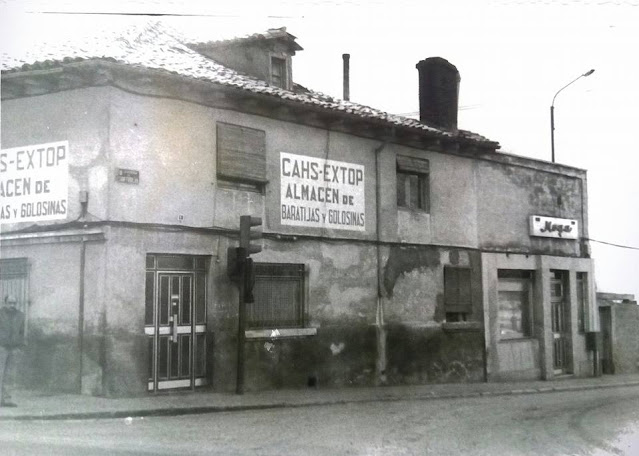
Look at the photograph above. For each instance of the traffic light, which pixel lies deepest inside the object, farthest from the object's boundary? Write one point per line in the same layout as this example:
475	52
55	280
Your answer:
247	234
235	257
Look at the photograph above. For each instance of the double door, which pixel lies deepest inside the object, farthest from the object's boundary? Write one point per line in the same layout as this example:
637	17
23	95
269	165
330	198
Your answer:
177	335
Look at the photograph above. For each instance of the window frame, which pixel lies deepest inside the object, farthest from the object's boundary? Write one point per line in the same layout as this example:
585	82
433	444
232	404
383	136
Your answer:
278	274
409	170
527	278
18	269
458	307
282	63
249	146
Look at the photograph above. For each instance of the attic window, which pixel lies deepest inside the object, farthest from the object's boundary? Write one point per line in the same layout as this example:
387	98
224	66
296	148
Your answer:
278	72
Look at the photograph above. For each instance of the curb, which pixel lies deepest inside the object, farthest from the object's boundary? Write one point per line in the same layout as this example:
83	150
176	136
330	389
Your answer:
181	411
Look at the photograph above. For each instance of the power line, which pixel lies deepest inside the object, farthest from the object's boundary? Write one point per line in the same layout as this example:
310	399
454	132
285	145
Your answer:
613	244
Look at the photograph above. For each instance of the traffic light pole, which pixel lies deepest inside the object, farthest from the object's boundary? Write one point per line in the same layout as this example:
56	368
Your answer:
241	336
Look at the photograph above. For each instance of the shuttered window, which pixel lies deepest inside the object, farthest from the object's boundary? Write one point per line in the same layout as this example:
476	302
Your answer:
241	154
279	297
457	294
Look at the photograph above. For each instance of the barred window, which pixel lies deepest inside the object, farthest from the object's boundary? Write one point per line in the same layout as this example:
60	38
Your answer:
14	281
279	296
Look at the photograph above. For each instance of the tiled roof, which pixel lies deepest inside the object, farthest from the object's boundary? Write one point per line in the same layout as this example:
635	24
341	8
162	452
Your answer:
156	46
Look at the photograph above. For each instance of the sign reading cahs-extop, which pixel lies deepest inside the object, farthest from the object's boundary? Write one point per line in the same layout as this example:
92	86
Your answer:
322	193
34	183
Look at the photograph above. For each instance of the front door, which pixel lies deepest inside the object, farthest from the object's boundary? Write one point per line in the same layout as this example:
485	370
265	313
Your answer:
176	326
560	322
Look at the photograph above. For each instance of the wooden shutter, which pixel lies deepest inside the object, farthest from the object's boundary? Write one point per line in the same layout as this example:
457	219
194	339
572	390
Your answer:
241	153
457	290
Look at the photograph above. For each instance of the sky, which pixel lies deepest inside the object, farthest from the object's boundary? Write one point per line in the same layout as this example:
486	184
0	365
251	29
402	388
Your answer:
513	57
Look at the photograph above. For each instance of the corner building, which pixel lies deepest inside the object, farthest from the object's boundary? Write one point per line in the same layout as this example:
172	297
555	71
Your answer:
394	250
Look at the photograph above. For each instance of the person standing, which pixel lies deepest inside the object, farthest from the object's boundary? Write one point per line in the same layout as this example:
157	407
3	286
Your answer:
11	338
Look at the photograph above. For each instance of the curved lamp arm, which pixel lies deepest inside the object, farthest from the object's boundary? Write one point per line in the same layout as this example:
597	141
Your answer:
587	73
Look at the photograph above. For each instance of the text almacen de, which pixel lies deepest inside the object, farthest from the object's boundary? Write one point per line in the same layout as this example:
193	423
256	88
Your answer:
312	193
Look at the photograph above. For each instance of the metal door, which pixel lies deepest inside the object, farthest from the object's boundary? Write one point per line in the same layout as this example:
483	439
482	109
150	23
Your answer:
177	336
560	322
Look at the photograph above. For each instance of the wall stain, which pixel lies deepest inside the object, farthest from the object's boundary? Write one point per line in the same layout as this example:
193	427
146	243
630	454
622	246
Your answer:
405	259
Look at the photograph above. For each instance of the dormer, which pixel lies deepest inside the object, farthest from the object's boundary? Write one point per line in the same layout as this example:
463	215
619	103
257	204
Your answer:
266	56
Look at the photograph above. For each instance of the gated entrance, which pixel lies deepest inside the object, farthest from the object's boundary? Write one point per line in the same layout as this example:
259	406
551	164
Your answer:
175	321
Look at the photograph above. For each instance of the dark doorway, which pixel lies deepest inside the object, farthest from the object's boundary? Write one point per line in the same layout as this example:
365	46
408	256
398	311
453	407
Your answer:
605	319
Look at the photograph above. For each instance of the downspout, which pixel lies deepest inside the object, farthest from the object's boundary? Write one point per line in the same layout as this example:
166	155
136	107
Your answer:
83	249
380	366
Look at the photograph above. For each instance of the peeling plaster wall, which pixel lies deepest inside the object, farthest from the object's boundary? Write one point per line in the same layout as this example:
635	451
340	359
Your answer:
173	146
509	194
82	118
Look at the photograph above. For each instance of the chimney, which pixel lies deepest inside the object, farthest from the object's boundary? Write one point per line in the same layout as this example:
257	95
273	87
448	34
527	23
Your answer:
347	75
438	93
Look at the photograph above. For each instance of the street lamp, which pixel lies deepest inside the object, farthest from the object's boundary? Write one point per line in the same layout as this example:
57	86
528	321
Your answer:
552	111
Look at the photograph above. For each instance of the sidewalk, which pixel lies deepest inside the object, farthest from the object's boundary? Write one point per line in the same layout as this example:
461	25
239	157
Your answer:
37	406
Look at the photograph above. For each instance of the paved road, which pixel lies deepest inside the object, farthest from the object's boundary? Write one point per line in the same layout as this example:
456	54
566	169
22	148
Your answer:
593	423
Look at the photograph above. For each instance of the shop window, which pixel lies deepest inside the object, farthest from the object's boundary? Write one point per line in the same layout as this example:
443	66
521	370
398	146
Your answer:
582	300
241	157
413	183
457	294
515	304
279	297
278	72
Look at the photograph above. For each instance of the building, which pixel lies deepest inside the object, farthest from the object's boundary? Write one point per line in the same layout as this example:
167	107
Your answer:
394	250
619	345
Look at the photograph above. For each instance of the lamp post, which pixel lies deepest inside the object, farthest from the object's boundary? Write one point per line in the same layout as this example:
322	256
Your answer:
552	111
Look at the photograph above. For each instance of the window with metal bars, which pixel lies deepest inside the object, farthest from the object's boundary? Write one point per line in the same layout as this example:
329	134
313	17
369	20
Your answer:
14	281
279	296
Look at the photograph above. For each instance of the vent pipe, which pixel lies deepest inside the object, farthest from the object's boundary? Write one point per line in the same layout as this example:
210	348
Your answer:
347	75
438	93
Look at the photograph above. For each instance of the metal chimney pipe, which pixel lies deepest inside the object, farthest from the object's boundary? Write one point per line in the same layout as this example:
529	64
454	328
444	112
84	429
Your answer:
347	71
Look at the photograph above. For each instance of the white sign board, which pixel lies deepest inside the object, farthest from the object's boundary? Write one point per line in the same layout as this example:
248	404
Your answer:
554	227
34	183
322	193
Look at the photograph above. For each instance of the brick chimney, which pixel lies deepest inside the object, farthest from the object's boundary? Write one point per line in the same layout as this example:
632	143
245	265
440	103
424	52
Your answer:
438	93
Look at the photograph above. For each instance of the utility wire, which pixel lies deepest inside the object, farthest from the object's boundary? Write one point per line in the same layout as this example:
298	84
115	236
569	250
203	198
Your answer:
614	245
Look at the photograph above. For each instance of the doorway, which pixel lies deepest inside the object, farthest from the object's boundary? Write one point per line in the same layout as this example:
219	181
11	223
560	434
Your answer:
560	319
175	321
605	320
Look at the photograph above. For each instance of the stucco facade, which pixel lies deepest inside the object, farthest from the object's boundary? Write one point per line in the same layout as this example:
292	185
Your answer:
375	306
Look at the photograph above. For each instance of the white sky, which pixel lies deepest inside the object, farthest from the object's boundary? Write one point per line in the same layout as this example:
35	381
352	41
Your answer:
513	56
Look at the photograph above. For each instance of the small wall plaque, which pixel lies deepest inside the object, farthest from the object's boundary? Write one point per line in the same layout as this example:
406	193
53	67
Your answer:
127	176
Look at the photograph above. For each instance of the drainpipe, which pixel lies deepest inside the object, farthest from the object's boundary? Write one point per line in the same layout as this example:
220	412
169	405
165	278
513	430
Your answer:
380	367
84	201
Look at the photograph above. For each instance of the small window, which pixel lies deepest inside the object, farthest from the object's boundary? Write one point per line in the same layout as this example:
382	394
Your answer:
457	294
278	72
515	304
413	183
279	297
241	156
582	300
